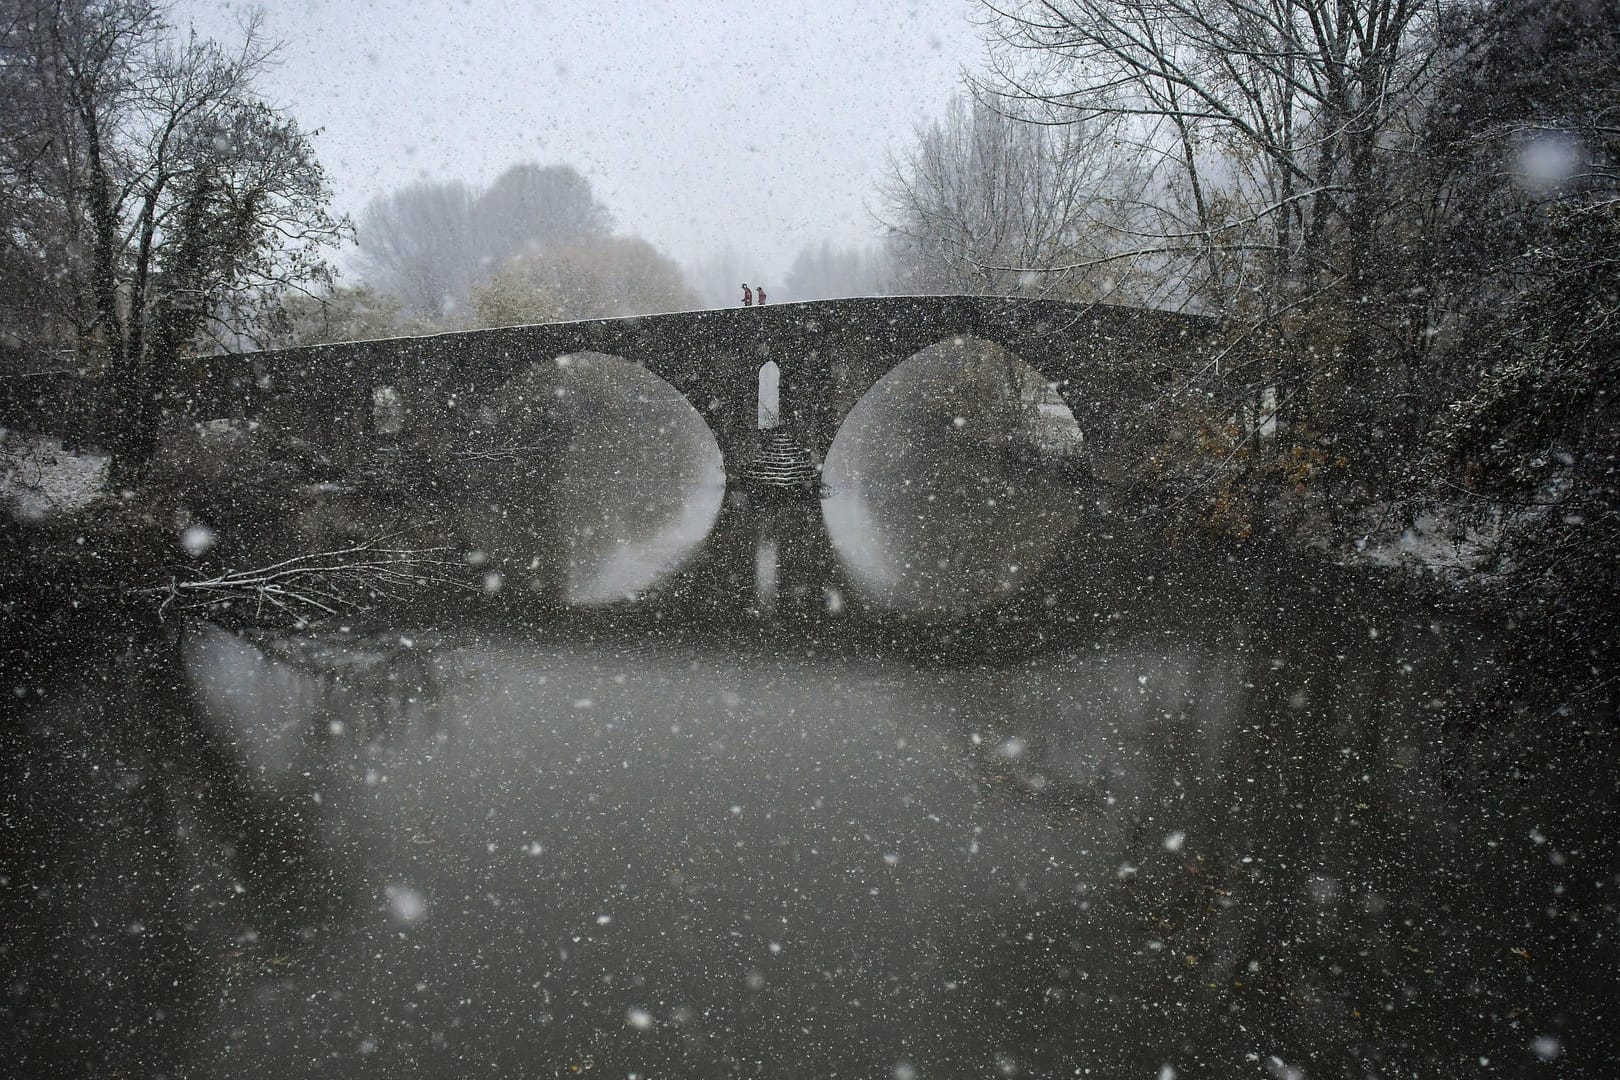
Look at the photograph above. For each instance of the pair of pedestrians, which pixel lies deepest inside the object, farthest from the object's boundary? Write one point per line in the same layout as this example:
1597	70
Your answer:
748	295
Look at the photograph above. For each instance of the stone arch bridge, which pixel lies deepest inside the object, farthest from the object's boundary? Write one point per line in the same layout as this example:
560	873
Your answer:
1101	360
1109	364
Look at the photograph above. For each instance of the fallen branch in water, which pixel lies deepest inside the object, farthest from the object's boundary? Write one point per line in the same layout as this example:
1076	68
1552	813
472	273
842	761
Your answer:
343	580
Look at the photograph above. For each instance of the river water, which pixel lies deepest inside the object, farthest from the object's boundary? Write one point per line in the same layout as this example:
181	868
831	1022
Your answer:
987	780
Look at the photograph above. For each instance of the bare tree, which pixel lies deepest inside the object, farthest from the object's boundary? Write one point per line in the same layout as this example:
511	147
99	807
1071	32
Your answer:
980	200
1291	106
824	272
417	244
531	207
431	243
1277	132
315	585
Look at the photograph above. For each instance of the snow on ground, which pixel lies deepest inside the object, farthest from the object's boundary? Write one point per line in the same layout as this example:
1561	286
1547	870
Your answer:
1435	543
39	479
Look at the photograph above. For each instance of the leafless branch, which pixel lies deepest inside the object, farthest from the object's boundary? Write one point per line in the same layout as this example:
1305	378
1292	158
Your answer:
324	583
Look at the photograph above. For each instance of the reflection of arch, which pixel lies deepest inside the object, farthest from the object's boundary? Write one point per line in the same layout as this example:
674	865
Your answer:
770	395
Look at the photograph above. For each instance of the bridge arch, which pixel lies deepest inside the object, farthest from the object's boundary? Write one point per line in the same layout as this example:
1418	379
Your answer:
1071	365
936	465
590	475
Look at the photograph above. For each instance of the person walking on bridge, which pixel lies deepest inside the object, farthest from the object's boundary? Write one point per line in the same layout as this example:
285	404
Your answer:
761	291
748	295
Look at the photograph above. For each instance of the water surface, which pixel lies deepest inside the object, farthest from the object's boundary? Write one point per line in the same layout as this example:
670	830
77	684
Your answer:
986	778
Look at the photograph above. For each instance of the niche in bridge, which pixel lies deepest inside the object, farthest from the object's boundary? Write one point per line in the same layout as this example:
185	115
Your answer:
387	411
593	480
770	395
952	480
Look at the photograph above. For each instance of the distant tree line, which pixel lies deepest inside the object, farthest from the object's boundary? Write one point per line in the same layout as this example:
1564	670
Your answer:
535	246
431	243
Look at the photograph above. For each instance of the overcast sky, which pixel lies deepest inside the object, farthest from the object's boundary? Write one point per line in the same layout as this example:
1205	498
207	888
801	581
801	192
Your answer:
702	124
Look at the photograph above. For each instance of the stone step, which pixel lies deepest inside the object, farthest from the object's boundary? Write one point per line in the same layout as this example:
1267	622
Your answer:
779	461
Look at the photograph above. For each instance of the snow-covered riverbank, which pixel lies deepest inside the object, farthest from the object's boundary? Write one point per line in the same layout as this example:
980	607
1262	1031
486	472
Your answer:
40	479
